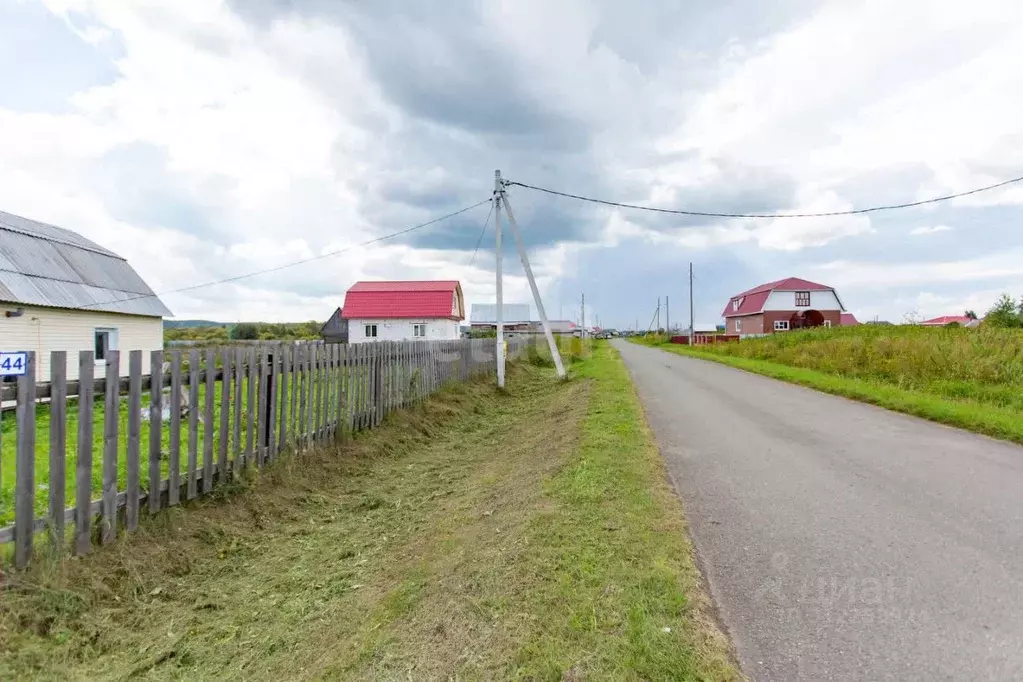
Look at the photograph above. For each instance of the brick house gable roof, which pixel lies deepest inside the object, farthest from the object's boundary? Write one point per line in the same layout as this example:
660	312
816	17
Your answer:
403	299
948	319
753	300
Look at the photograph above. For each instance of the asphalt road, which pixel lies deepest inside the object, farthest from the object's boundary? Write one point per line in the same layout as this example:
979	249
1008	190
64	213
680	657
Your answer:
842	541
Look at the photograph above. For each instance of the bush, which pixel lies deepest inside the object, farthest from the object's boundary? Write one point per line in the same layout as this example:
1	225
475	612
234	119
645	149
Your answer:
245	331
1004	314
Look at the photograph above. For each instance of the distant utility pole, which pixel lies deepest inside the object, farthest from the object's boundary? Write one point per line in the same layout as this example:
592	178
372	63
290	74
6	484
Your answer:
501	201
692	314
582	315
498	190
657	314
667	316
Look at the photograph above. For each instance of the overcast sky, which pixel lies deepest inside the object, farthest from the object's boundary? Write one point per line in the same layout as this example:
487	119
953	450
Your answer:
204	139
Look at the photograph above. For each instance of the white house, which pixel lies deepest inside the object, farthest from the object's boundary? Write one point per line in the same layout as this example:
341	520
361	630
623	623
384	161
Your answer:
399	311
61	291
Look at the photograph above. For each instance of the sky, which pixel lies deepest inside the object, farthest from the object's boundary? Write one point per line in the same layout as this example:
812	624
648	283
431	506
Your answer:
206	139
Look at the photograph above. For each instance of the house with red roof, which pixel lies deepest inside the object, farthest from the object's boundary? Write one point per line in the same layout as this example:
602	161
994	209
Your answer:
961	320
406	310
790	303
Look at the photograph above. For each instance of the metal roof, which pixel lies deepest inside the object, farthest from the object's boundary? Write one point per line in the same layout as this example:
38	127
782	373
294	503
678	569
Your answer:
486	313
49	266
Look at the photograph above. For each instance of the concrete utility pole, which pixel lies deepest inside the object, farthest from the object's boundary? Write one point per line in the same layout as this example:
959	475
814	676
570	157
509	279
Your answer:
498	188
658	314
582	316
692	313
667	316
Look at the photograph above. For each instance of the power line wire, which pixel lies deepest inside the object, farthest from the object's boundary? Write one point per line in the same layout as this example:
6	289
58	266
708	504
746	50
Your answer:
482	232
708	214
292	264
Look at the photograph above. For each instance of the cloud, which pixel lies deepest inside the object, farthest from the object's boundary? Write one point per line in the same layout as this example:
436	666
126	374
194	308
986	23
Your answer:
205	139
883	275
929	229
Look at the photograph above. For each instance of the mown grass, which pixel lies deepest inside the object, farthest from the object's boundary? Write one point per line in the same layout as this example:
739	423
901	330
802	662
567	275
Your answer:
970	378
518	534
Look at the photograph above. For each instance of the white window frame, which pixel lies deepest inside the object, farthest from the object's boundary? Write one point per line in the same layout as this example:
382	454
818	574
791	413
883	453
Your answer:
738	325
419	330
367	329
807	299
827	323
110	344
781	325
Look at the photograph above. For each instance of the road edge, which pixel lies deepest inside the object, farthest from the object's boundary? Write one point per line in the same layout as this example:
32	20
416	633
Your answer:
708	607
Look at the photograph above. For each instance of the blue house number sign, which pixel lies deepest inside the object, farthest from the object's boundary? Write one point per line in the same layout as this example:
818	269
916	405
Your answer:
13	364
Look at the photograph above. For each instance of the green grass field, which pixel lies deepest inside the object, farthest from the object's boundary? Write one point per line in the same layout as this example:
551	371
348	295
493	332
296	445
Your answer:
42	445
971	378
527	534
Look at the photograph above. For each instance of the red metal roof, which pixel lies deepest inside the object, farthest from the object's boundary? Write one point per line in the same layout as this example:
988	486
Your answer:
406	299
947	319
752	300
849	320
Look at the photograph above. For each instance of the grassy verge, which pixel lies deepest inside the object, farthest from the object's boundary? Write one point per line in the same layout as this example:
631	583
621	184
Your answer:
995	420
485	535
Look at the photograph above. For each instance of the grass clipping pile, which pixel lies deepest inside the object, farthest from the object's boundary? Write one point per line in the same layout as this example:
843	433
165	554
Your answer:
484	535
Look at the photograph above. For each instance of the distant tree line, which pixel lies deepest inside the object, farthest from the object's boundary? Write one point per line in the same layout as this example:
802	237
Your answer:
247	331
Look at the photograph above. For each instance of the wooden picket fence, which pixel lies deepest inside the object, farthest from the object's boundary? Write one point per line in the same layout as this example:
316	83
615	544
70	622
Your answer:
227	409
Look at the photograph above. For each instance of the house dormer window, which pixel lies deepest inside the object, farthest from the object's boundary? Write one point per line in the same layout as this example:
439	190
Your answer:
737	303
803	298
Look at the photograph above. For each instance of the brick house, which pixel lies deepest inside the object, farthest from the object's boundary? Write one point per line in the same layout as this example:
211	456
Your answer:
790	303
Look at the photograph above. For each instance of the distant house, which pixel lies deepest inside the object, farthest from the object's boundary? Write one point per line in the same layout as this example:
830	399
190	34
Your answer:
790	303
403	310
962	320
61	291
849	320
516	317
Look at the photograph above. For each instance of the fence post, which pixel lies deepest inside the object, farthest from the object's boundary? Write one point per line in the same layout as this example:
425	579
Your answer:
239	394
251	411
111	417
316	396
207	423
58	445
258	415
342	385
378	383
134	451
193	425
174	461
25	464
266	398
225	413
155	427
83	462
285	391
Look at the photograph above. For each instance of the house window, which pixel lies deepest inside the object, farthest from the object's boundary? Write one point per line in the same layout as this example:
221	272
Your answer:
104	340
781	325
371	331
738	325
419	331
803	298
827	323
